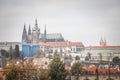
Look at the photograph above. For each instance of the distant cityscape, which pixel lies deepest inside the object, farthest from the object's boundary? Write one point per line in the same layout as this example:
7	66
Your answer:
41	47
34	41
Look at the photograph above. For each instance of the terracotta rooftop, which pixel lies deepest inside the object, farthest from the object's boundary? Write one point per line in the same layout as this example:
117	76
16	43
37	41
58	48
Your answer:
61	44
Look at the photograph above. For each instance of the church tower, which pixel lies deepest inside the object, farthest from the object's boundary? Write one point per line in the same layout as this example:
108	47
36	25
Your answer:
105	43
29	34
24	35
102	42
35	33
45	34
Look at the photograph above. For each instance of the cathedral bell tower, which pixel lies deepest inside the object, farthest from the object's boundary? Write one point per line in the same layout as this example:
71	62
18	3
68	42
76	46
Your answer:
35	33
102	42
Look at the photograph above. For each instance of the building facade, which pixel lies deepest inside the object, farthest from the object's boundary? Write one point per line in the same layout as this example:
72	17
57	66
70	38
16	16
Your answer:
64	49
6	45
102	52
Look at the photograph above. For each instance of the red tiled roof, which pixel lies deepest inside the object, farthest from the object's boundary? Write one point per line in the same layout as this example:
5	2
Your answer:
103	47
61	44
92	70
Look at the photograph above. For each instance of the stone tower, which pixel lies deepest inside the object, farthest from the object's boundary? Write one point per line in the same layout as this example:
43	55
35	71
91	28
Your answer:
102	42
35	33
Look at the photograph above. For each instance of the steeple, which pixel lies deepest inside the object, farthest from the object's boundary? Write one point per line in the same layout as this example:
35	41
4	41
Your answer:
45	33
102	42
24	34
29	31
29	34
35	33
36	25
36	22
105	43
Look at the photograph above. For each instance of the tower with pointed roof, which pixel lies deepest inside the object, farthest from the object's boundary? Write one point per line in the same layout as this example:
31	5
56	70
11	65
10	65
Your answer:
45	34
35	33
29	34
102	42
24	35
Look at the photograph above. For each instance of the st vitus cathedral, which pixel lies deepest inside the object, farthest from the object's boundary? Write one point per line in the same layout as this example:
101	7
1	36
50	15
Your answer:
36	36
31	40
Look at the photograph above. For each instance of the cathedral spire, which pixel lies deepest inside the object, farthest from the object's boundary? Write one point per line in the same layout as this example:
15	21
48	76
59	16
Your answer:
105	43
36	22
24	34
35	33
102	42
29	34
29	31
45	33
36	25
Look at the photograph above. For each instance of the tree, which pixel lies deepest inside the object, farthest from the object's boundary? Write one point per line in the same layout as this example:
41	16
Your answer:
22	71
116	60
76	68
10	52
57	69
21	55
4	53
86	58
89	55
17	52
11	72
77	58
49	56
43	74
29	70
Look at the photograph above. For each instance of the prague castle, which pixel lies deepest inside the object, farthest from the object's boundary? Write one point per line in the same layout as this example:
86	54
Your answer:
31	40
34	41
36	36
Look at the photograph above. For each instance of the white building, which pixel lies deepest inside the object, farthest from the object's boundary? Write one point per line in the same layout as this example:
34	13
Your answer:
6	45
103	51
66	48
62	47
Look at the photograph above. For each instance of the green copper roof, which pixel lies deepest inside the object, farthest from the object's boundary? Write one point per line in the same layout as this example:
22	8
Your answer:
36	26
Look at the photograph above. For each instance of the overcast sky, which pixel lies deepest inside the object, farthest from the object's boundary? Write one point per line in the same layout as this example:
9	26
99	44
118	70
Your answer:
78	20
